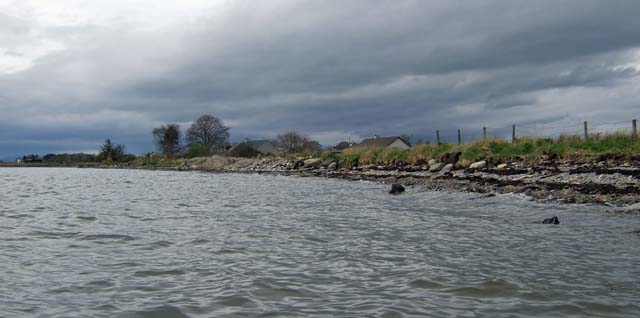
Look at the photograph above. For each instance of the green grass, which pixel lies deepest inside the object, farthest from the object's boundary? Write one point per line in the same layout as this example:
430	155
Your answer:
528	149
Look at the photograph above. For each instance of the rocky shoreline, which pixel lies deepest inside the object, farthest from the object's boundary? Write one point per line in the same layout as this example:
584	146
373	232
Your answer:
612	182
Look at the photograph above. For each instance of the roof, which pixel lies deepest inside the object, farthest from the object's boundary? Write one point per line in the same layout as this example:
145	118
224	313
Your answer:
381	142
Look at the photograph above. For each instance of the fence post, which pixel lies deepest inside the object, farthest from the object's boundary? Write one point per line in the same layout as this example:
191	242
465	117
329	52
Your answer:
438	136
634	132
459	137
484	133
586	131
513	134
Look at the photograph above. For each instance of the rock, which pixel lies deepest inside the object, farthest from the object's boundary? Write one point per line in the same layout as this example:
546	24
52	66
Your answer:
463	164
502	166
634	208
478	165
327	162
446	168
553	220
396	188
313	162
451	157
432	162
436	167
333	166
368	167
298	164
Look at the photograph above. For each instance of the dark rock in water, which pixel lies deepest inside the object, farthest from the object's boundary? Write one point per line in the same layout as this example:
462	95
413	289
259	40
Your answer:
396	189
553	220
488	195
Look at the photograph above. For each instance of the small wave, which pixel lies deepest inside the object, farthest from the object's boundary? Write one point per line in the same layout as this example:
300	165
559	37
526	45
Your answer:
487	289
109	237
171	272
199	241
53	235
315	239
237	301
425	284
90	287
157	312
155	245
267	291
19	216
87	218
229	251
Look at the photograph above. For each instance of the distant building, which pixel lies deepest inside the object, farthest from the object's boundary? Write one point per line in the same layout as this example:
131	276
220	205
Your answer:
264	147
384	142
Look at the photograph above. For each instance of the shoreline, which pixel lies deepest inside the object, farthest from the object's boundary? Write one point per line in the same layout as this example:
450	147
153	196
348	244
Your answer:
607	183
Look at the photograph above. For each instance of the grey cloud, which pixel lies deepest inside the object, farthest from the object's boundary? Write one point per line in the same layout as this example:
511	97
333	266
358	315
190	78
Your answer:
361	67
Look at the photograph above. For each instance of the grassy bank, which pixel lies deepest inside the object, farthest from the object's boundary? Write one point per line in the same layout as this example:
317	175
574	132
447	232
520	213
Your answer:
616	145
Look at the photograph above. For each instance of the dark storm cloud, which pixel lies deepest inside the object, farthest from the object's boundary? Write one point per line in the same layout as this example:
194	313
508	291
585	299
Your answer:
336	68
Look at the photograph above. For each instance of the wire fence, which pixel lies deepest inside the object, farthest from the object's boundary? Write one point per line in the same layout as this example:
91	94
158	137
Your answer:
585	130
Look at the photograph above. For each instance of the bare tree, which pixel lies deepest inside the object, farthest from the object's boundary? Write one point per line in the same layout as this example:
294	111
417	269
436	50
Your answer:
292	141
167	137
208	130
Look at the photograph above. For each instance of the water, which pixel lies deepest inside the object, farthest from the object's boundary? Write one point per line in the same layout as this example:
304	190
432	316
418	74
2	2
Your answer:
119	243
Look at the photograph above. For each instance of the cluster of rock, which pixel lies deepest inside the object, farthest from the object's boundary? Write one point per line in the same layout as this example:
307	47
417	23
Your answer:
609	183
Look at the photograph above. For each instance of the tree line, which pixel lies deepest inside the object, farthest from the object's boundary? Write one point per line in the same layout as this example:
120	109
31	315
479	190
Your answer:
209	135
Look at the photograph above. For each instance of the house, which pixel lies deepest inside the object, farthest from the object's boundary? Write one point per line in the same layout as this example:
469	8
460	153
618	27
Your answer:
384	142
249	147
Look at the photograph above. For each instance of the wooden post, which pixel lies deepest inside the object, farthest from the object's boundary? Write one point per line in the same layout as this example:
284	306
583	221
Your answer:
513	134
634	132
586	131
459	137
438	137
484	133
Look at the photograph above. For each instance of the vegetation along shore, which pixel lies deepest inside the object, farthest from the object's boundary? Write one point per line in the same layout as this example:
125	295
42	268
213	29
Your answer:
596	169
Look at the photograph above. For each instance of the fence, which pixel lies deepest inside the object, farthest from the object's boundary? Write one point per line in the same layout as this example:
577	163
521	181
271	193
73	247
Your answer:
513	132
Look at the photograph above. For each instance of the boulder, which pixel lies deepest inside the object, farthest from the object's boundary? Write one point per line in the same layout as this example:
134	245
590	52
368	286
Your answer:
312	163
396	188
502	166
332	166
436	167
298	164
463	164
478	165
553	220
447	168
432	162
327	162
451	157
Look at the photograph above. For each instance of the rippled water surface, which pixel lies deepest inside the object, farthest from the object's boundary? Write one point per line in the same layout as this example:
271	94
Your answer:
119	243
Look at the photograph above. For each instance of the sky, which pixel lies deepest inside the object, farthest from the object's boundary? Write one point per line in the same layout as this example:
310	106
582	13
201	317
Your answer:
76	72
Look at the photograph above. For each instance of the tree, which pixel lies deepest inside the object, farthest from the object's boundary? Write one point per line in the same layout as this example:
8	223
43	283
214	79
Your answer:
292	142
109	152
197	150
167	137
208	130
